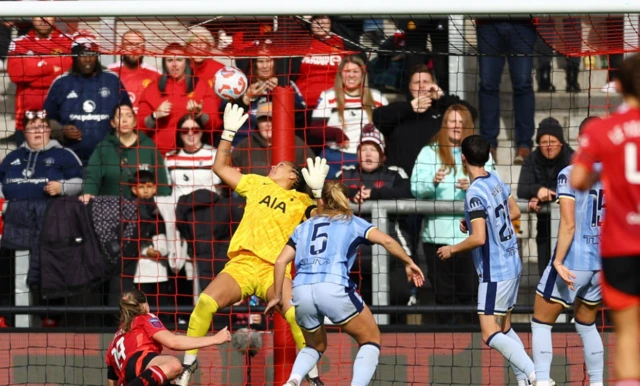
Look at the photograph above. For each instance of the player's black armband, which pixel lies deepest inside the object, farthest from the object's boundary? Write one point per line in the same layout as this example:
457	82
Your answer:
477	214
291	243
311	208
111	374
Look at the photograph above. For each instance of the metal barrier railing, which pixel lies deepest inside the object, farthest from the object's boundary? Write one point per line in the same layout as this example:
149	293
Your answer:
380	210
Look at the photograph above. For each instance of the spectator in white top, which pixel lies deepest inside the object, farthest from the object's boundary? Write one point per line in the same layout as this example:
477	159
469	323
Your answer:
343	111
190	163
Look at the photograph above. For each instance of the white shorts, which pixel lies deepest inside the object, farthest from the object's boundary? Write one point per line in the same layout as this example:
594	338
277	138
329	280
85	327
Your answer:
313	302
498	297
586	284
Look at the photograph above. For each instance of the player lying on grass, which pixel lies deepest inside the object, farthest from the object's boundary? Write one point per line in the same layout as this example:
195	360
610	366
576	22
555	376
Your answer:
324	249
275	205
489	211
134	356
572	279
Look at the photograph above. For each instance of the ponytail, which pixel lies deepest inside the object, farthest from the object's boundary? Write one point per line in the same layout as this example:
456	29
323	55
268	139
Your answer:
131	305
335	201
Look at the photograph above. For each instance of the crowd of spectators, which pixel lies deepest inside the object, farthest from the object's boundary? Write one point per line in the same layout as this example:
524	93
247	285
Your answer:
147	138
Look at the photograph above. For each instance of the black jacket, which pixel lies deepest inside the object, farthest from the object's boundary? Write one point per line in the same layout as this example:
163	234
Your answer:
207	222
386	182
538	171
149	224
407	132
23	223
70	254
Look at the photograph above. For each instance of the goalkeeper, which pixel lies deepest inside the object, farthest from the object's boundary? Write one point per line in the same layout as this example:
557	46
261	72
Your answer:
275	205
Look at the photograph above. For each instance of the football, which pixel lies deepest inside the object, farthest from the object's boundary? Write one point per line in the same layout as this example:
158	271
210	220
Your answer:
230	83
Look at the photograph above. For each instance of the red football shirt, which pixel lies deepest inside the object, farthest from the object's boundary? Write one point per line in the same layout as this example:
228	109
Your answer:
34	64
318	69
139	338
615	142
135	80
207	70
164	131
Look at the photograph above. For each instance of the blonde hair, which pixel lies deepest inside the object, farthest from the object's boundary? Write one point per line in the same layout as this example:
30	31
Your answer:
131	305
202	33
335	201
445	149
366	99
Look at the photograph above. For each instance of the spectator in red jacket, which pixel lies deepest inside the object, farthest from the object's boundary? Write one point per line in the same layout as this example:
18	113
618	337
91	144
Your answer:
317	72
133	72
175	94
33	65
199	45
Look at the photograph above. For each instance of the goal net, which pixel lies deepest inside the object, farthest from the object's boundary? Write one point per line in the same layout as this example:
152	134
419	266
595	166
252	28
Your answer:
91	210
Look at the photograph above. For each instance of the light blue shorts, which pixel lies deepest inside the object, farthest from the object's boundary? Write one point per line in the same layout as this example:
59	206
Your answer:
586	284
498	297
313	302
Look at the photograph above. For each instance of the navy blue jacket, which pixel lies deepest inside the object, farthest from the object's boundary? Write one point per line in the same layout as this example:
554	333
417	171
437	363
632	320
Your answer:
24	172
87	103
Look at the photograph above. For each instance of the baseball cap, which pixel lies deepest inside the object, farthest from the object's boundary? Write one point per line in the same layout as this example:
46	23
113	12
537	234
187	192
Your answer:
84	44
265	110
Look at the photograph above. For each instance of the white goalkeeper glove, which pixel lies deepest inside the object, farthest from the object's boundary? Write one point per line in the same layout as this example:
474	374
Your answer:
314	175
234	118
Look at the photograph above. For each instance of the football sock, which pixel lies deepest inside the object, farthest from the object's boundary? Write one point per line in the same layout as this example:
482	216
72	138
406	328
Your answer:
153	376
306	359
200	322
290	317
520	375
593	351
542	347
365	364
511	351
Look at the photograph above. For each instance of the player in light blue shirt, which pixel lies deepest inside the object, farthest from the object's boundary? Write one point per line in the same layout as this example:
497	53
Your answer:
324	249
489	210
572	279
324	261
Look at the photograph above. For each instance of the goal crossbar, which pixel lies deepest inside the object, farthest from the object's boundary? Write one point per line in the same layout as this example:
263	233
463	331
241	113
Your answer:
142	8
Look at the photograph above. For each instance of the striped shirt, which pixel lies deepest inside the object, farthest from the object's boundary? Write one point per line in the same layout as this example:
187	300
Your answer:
192	171
355	116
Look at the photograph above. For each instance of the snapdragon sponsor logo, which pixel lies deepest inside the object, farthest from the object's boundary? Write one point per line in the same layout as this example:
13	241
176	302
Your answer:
89	117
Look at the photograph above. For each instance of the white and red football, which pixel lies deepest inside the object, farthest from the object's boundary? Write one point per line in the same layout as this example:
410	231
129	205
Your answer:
230	83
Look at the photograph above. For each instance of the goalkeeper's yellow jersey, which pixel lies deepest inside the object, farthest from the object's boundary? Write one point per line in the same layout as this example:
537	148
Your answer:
270	217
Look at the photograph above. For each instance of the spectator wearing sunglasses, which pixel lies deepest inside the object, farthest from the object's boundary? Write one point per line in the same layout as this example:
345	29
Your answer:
41	167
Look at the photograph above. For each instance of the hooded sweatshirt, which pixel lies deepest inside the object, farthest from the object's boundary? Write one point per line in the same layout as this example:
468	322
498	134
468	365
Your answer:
24	172
112	165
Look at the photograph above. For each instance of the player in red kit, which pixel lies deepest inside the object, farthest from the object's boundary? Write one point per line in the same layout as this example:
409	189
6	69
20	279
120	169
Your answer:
35	60
133	72
134	356
615	142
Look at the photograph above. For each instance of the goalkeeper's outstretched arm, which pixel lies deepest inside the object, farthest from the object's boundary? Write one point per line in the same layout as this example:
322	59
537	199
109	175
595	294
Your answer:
234	118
